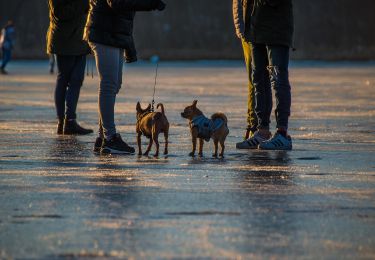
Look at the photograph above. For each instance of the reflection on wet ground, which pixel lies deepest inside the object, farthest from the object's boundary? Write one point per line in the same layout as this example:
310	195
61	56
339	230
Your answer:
59	200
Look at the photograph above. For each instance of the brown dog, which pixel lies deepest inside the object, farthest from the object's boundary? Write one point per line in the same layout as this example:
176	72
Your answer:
203	128
151	124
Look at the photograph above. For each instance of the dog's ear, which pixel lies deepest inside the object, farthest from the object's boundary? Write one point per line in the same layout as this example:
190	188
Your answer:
138	107
195	103
148	107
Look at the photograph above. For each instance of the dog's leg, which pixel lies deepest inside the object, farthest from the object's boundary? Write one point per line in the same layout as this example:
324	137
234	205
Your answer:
139	143
200	147
148	147
166	141
222	147
155	137
215	148
194	140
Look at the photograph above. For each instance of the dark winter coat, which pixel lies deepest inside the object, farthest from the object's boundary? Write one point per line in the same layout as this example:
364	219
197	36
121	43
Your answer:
241	17
110	22
272	22
67	22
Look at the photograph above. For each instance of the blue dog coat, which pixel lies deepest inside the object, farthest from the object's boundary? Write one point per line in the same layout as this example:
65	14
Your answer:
206	127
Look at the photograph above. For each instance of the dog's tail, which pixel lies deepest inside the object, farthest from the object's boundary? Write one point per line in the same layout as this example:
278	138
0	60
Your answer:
162	108
221	116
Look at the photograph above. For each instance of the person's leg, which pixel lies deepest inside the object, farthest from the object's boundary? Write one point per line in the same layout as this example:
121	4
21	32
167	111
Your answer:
263	99
107	62
120	67
7	53
71	126
279	63
2	57
64	65
75	83
252	120
62	81
51	63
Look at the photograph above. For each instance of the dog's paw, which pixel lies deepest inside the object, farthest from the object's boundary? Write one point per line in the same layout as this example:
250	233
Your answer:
214	155
200	154
191	154
146	154
165	152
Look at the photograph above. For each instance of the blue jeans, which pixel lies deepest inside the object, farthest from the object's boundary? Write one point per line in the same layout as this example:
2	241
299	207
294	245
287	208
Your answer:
272	60
70	76
51	63
109	63
7	54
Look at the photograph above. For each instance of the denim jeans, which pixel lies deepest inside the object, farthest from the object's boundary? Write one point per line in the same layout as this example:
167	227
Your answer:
7	54
52	62
271	60
70	76
109	63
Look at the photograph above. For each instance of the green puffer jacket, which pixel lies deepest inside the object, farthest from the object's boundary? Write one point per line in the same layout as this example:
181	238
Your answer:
67	22
272	22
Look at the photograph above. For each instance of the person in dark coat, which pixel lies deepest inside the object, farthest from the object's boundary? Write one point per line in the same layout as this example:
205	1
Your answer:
7	44
64	40
271	35
109	32
241	17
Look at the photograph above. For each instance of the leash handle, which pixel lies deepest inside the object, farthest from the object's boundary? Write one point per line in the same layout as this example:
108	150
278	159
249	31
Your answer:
153	95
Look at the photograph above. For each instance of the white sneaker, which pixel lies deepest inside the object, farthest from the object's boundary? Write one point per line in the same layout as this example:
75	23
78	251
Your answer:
252	142
277	142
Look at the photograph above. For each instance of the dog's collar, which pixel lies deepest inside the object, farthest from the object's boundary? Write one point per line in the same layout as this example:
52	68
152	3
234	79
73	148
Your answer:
141	116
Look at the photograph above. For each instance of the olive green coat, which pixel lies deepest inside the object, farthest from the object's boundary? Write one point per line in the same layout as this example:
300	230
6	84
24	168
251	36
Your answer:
272	22
67	22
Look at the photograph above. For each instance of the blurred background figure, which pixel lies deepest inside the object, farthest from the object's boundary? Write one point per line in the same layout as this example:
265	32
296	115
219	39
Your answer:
64	41
7	44
51	63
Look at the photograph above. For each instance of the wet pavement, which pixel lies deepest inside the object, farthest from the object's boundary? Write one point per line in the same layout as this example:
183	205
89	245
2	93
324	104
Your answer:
61	201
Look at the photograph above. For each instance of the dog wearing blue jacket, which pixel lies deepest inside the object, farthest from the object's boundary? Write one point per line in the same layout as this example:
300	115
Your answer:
204	129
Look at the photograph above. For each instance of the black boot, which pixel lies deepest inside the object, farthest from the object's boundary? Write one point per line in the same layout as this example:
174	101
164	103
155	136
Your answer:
71	127
60	127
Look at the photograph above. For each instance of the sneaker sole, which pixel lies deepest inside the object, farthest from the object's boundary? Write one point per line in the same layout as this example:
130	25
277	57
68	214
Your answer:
275	149
74	133
114	151
246	148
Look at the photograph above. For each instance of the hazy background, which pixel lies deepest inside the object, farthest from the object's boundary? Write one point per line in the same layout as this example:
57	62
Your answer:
203	29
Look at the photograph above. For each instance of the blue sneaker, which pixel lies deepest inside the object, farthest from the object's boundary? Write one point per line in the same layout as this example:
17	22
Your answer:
277	142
